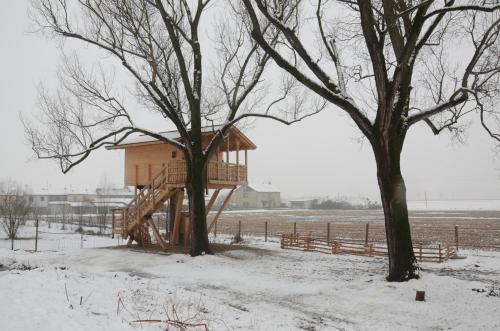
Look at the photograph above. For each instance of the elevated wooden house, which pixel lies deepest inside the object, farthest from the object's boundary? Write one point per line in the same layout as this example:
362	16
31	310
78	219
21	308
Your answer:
158	172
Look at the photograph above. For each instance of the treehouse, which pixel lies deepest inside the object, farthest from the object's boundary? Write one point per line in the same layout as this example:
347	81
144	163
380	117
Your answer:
158	172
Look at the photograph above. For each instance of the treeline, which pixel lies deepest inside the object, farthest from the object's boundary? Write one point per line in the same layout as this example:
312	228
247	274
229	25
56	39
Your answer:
346	205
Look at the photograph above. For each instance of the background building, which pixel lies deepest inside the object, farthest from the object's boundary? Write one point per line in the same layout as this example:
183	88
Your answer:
260	196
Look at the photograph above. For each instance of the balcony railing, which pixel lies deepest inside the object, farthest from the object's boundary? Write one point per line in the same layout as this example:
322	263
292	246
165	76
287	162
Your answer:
218	173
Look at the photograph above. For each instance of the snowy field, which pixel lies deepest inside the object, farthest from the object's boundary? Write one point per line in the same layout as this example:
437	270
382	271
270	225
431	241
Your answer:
253	286
447	205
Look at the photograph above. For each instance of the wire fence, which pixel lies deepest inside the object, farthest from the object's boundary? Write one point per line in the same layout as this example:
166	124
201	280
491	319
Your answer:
52	236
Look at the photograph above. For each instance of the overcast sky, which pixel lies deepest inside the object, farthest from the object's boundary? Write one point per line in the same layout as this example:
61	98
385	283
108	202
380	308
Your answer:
318	157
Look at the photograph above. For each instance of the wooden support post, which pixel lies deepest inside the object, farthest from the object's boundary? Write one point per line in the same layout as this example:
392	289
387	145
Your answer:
440	256
456	239
177	221
328	233
294	228
246	158
337	248
216	216
238	161
156	233
367	230
212	200
215	230
265	232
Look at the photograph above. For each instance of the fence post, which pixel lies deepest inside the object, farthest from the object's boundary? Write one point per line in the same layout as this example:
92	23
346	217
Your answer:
36	235
440	258
367	230
294	228
238	233
265	233
420	251
456	239
328	233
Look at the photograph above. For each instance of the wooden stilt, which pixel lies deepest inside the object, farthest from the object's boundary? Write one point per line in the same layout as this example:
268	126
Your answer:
237	161
156	233
177	221
214	219
212	200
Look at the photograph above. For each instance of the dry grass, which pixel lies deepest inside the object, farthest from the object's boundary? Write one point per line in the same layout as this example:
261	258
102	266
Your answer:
476	228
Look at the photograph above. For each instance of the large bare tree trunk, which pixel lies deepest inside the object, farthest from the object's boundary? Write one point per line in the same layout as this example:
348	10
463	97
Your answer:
196	193
402	262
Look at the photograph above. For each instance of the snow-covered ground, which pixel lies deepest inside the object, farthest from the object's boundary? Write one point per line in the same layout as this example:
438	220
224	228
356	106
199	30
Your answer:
447	205
253	286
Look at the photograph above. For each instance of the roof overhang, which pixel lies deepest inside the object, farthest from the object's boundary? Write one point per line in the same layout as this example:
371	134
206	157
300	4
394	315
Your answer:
244	142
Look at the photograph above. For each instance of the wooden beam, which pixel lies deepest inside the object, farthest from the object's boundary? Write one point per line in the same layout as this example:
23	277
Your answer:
238	161
216	216
246	159
156	233
177	221
212	201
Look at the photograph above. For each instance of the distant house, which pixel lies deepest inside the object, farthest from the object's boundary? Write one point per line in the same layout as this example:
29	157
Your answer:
256	196
302	203
80	203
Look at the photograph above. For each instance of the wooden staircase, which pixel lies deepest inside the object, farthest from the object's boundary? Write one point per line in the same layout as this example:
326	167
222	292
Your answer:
135	220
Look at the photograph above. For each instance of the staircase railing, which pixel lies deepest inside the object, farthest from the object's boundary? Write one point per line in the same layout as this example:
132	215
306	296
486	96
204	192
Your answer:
147	197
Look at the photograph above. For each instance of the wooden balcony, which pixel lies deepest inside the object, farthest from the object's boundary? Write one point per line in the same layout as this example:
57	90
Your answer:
219	173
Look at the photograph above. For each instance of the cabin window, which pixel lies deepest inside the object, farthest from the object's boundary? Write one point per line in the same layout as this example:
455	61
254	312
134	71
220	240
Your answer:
174	154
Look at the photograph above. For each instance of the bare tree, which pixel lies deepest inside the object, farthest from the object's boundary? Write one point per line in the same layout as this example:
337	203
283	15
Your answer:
185	71
390	64
14	208
103	202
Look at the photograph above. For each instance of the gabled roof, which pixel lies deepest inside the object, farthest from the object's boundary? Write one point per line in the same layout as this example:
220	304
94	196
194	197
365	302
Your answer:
137	140
263	188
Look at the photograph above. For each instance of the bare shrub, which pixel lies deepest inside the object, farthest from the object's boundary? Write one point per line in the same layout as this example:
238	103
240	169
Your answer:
14	208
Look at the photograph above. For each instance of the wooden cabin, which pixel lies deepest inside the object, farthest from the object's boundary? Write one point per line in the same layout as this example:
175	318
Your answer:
158	172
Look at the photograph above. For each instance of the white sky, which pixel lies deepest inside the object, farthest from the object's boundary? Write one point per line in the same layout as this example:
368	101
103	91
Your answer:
320	156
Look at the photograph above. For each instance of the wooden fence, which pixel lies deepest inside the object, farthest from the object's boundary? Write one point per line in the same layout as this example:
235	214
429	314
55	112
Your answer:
437	253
